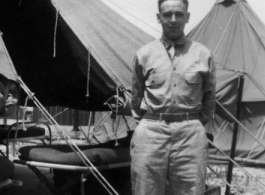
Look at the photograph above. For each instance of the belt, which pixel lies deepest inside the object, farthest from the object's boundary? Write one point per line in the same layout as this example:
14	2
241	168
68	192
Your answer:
172	117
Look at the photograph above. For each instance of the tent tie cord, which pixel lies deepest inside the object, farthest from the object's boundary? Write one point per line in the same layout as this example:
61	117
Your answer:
88	73
55	31
128	123
115	109
24	113
116	130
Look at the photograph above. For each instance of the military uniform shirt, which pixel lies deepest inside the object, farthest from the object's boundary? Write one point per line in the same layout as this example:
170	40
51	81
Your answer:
184	84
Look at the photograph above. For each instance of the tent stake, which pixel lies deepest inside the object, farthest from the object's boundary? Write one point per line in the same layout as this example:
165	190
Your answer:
234	140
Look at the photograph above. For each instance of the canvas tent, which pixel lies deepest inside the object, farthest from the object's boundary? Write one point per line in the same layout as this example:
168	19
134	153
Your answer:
63	48
236	35
67	50
81	61
76	53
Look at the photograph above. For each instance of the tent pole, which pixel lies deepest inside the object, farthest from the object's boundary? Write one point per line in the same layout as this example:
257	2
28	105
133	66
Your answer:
76	120
234	140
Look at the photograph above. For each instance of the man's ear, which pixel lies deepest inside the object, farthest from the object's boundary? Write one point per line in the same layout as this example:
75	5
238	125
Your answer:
158	18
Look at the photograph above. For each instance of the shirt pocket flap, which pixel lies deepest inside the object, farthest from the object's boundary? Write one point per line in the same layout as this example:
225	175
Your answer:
193	77
156	79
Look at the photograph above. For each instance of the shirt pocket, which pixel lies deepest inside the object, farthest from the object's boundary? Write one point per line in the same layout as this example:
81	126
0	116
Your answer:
156	80
192	77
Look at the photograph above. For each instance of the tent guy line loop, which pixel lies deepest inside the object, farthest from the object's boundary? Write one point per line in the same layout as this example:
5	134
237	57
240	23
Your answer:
31	96
238	72
72	145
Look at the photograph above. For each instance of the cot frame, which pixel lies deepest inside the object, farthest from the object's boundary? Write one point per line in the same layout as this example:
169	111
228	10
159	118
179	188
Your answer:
33	165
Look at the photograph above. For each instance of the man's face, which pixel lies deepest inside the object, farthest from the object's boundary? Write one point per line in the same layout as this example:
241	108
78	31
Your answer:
173	16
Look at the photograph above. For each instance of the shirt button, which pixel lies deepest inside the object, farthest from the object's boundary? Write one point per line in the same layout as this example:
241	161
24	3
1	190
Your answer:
174	68
175	85
153	81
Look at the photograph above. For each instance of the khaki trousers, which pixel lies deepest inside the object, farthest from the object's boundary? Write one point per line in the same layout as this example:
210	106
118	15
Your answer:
173	152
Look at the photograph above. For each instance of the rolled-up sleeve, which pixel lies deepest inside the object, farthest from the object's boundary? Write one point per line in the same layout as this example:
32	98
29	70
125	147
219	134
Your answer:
209	85
137	89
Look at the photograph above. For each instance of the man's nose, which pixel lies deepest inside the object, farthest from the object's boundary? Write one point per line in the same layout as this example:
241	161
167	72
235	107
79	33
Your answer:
173	18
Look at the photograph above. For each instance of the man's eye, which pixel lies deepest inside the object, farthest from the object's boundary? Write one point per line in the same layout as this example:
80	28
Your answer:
179	14
167	15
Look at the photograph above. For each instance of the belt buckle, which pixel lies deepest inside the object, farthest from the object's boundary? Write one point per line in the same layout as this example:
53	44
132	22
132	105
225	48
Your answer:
167	118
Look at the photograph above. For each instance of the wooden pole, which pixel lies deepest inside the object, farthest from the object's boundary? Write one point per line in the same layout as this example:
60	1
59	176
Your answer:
76	120
234	140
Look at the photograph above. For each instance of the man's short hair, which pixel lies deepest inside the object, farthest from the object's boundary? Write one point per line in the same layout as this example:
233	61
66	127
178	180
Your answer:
186	2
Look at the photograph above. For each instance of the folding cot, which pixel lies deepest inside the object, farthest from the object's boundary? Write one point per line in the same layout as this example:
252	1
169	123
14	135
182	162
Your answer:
70	171
64	161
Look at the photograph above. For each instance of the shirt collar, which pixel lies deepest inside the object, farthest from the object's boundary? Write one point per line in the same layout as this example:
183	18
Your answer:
179	42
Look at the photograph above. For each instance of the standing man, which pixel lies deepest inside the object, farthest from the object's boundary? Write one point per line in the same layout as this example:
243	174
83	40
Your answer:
173	96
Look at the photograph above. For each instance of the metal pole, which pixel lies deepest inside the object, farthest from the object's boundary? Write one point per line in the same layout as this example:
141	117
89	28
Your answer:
234	140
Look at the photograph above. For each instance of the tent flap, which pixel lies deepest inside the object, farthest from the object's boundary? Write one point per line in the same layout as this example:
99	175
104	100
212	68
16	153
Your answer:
111	40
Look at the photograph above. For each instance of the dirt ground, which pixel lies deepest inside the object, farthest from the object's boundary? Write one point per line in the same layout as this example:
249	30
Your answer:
245	181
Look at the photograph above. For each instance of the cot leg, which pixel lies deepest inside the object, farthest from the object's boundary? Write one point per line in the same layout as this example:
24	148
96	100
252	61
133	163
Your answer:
83	179
68	180
43	178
